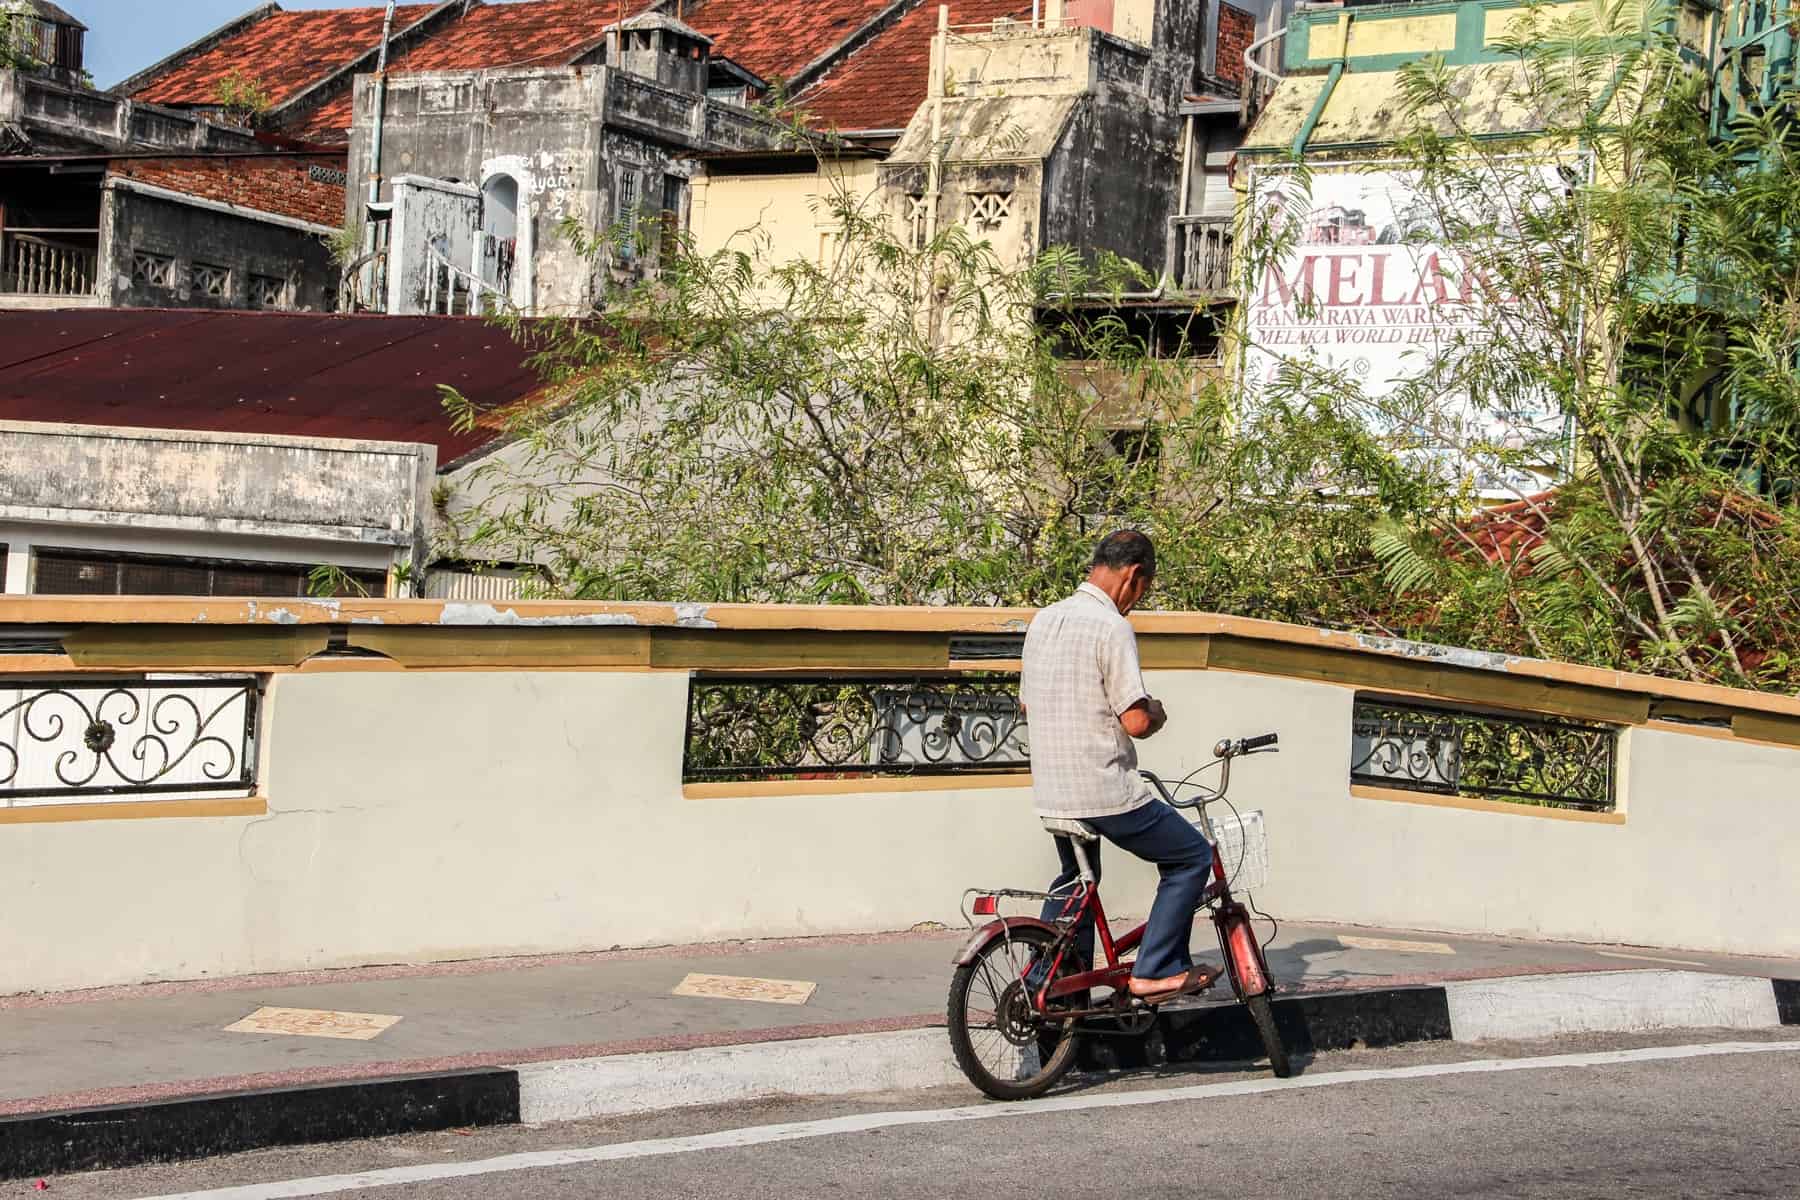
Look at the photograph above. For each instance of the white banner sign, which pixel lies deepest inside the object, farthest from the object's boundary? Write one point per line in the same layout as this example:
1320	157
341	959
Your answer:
1371	287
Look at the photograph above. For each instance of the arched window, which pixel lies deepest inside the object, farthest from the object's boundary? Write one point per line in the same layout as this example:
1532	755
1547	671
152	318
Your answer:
500	232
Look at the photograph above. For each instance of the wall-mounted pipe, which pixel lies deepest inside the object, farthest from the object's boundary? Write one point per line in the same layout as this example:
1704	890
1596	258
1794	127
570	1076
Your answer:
1318	109
387	33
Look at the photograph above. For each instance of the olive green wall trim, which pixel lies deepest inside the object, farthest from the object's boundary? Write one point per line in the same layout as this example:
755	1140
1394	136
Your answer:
797	650
1767	728
230	647
1164	652
1430	679
425	646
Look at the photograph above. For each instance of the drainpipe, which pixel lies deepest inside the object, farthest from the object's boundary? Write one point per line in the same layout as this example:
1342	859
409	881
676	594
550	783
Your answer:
940	49
1318	108
387	32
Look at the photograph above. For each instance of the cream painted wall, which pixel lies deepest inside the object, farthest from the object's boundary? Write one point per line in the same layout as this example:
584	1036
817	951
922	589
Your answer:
420	816
437	816
1704	860
792	212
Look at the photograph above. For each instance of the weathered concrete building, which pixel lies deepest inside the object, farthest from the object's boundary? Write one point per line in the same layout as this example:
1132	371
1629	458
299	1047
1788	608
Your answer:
232	453
491	164
190	231
109	510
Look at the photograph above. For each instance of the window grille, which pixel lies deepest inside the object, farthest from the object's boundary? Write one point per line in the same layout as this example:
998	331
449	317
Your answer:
152	270
628	215
1448	750
88	573
331	175
209	280
74	740
989	210
268	291
845	726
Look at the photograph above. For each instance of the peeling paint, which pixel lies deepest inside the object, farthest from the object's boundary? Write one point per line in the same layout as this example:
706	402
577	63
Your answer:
1455	656
693	616
466	613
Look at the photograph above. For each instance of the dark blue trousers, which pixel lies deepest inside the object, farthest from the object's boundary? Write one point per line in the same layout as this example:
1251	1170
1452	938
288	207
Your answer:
1155	833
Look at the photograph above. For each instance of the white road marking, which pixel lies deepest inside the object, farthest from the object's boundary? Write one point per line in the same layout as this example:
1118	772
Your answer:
1680	962
758	1135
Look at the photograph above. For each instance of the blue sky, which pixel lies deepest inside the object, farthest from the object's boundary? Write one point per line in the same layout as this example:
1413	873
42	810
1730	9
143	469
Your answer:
125	36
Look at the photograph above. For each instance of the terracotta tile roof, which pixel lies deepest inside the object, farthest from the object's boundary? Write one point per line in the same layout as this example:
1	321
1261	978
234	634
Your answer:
775	38
282	184
285	52
527	33
881	85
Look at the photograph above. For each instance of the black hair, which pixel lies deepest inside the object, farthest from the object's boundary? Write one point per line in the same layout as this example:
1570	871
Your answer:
1126	548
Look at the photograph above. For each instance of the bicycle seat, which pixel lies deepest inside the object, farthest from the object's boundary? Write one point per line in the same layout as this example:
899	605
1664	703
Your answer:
1081	831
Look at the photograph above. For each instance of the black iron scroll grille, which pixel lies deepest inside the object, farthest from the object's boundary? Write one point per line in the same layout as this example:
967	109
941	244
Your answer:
76	739
1453	751
836	727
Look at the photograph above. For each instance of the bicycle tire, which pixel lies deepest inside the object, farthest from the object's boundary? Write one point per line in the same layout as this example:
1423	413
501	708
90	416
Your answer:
1051	1047
1263	1014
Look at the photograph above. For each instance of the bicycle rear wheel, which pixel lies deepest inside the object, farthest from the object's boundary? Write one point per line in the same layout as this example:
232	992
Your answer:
1000	1042
1263	1014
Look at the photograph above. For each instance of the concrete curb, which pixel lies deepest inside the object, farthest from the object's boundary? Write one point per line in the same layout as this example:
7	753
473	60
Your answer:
122	1135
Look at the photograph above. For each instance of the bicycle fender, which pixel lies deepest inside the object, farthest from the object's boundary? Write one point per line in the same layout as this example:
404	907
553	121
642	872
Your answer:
993	931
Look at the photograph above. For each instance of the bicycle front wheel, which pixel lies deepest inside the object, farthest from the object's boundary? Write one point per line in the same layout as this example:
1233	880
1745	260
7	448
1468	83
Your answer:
1000	1042
1263	1014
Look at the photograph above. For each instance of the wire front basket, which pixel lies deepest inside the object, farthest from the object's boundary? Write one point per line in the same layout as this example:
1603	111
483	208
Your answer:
1242	843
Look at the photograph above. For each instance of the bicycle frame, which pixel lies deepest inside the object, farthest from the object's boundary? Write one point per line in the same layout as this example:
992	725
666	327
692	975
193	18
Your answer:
1245	965
1238	945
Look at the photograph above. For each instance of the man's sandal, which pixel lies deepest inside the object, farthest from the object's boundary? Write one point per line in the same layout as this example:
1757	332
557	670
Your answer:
1197	979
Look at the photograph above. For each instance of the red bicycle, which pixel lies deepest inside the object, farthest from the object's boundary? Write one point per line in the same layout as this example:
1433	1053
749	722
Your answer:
1022	995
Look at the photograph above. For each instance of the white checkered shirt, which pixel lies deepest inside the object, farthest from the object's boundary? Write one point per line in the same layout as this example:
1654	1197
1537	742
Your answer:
1080	672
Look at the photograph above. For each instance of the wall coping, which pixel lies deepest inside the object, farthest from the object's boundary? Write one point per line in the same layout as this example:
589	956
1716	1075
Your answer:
575	616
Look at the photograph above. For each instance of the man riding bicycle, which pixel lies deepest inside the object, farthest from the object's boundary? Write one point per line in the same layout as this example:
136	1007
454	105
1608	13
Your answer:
1085	696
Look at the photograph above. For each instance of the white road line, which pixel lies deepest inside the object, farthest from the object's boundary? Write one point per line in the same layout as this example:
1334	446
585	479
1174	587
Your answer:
1680	962
758	1135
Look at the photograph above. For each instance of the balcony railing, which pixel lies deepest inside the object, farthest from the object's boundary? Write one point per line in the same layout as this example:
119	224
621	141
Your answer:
1202	254
49	262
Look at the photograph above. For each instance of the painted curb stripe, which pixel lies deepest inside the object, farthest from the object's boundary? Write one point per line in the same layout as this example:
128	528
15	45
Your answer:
169	1130
172	1130
730	1139
1308	1022
1787	1000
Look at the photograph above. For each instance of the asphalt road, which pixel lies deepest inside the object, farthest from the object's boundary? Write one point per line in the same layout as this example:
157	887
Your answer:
1668	1115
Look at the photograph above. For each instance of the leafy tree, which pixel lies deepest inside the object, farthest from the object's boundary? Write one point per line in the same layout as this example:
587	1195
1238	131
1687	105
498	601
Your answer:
1655	274
909	425
899	424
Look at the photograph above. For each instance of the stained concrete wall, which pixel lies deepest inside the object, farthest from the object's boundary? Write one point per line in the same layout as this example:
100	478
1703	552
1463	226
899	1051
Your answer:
91	477
1079	128
441	815
131	221
58	118
587	145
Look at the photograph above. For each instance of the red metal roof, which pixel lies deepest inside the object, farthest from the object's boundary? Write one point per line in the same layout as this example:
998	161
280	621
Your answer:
282	184
365	377
285	52
880	85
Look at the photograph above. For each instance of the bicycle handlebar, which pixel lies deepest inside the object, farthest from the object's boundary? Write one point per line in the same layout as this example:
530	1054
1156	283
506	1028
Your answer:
1223	753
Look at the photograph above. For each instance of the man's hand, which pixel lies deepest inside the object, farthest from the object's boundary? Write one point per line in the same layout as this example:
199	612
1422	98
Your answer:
1144	718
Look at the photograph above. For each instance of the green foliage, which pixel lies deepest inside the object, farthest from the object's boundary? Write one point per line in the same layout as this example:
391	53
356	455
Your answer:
18	25
1670	268
904	424
242	97
908	425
